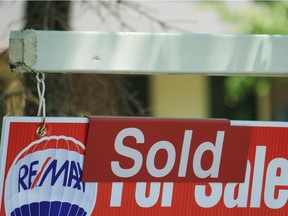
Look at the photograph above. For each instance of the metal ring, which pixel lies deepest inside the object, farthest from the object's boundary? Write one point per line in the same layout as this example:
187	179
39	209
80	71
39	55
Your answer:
41	131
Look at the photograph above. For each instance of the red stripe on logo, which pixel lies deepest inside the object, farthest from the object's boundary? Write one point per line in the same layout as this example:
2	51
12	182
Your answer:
40	173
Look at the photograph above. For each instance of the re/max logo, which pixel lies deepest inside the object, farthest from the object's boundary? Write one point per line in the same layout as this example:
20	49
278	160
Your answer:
51	172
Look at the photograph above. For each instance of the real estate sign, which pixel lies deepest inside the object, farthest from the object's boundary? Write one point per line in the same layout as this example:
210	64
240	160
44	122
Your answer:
186	165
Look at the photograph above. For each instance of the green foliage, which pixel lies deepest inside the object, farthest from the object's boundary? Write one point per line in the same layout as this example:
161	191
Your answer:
262	17
238	88
259	17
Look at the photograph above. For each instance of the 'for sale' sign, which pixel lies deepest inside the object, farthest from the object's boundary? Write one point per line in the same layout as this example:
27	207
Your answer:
43	176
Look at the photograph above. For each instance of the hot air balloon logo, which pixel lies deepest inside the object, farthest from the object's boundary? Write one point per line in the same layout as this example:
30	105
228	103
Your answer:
45	179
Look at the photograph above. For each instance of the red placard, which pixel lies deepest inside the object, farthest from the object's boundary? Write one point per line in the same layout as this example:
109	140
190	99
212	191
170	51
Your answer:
264	191
165	150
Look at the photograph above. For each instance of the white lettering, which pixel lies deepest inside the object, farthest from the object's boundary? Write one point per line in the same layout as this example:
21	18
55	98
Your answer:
116	194
242	195
153	196
273	181
171	156
234	195
258	176
185	153
216	150
208	201
167	194
128	152
140	194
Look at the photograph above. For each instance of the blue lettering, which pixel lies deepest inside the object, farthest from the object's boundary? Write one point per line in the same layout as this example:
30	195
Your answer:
23	172
80	171
55	175
69	173
74	175
32	172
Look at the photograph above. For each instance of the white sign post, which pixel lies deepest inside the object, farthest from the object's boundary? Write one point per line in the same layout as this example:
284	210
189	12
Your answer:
148	53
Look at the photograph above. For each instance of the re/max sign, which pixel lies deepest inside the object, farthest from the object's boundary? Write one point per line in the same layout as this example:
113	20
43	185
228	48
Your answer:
165	150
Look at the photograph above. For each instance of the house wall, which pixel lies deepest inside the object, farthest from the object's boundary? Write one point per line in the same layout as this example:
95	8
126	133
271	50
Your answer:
179	96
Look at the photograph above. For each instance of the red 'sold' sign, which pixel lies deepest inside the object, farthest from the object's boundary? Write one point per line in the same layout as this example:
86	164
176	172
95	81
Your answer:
165	150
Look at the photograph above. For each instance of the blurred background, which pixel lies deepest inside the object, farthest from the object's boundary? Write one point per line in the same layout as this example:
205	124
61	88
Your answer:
188	96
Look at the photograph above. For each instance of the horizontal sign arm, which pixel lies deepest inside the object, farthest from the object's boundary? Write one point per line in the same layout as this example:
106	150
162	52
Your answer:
148	53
